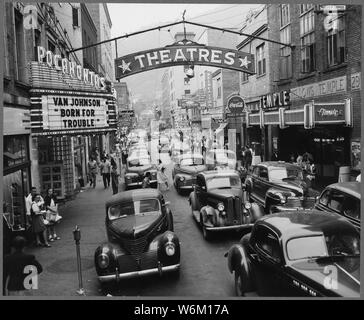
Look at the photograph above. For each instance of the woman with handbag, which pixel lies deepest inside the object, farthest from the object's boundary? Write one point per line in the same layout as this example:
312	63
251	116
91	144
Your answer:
38	222
52	215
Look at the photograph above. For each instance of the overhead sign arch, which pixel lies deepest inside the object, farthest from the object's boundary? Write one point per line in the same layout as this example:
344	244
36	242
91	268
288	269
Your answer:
175	55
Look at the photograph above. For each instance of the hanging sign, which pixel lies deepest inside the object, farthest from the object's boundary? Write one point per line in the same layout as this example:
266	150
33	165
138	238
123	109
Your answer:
235	106
183	55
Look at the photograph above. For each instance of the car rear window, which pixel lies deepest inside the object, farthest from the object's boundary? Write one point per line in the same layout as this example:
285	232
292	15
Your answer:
138	208
223	182
304	247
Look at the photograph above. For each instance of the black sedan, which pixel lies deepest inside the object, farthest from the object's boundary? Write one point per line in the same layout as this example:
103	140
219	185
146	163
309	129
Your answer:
141	241
298	253
342	198
279	186
136	168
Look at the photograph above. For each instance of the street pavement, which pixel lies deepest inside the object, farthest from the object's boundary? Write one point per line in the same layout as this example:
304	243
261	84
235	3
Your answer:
204	271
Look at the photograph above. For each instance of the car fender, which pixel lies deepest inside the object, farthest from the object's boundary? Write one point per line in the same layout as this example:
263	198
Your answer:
238	261
208	211
272	197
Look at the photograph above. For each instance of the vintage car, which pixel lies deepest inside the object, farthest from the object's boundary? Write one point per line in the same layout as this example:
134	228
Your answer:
179	148
184	172
141	241
136	168
217	203
221	158
342	198
278	186
298	253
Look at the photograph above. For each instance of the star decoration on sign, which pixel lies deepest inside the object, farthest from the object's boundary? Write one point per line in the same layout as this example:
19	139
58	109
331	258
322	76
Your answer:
244	62
125	66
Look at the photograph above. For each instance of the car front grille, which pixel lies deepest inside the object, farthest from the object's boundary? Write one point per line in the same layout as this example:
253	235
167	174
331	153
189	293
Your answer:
146	260
294	202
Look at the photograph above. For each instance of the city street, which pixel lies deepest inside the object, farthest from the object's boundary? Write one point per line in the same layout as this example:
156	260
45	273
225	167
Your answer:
204	271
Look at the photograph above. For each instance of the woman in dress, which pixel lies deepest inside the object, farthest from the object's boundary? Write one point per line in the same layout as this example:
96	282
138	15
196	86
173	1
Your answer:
162	179
38	225
50	202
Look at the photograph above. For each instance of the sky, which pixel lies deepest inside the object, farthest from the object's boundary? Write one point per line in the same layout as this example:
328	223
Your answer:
132	17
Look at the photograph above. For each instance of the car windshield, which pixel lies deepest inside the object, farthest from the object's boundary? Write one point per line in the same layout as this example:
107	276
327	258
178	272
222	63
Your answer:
280	173
223	182
139	208
323	246
136	162
192	161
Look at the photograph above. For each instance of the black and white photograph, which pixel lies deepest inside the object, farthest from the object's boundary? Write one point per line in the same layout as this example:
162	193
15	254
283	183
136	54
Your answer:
199	150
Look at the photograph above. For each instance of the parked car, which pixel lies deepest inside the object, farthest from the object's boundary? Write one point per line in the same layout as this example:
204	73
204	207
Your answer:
298	253
217	203
342	198
278	186
136	168
184	172
140	237
221	158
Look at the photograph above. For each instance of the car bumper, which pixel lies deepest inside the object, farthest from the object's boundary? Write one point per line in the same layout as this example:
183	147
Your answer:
236	227
277	209
138	183
120	276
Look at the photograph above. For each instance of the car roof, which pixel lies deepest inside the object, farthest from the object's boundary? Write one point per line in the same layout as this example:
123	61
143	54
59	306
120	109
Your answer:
212	173
133	195
221	150
352	188
190	155
301	223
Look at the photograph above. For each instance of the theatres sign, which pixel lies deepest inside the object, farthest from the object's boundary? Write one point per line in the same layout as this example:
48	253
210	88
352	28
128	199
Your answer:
183	55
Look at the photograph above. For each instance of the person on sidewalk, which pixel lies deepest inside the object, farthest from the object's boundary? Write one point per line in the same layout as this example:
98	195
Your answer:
38	223
51	205
114	177
146	180
92	168
108	169
15	269
105	172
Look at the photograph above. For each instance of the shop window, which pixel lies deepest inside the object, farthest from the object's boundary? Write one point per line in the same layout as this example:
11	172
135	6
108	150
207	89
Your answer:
20	47
261	67
15	151
307	35
336	42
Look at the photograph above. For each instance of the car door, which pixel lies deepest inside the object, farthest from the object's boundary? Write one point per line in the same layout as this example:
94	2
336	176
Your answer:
200	190
267	259
263	183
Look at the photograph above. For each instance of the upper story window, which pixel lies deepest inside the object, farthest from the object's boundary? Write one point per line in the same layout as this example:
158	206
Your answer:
244	77
75	21
284	14
336	41
20	47
305	7
307	35
261	67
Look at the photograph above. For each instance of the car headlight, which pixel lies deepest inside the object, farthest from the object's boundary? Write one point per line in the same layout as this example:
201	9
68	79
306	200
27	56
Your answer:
170	249
247	205
220	207
103	260
182	178
282	198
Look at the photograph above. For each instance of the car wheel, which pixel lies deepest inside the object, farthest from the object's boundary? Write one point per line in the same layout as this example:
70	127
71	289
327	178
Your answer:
238	284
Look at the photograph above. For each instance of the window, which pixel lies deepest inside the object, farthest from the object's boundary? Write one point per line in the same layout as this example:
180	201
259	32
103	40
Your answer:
336	200
20	47
187	91
75	17
324	199
260	60
218	81
285	70
307	27
305	7
244	77
336	42
263	173
284	14
51	46
351	207
267	242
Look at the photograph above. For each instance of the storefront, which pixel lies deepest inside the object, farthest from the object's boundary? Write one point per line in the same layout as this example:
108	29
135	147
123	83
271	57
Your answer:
72	112
16	180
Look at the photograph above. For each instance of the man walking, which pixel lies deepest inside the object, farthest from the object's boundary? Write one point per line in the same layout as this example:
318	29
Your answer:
92	167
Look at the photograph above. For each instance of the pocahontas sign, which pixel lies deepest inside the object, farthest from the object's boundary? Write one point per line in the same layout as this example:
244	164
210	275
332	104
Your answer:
182	55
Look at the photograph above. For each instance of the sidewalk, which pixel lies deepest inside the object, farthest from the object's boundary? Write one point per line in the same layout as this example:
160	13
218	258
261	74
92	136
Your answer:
60	277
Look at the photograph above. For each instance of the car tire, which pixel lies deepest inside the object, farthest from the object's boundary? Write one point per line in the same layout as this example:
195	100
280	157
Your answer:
238	284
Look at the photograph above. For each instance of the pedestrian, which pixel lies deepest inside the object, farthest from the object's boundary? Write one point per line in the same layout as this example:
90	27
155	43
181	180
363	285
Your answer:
162	179
108	170
310	173
248	157
38	222
146	180
299	160
15	269
114	177
92	167
51	205
29	200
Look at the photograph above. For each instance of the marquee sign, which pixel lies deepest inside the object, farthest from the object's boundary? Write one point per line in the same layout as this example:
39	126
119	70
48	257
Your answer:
55	112
182	55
